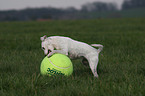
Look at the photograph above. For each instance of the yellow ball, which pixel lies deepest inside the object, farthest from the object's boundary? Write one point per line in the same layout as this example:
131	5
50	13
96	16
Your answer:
57	64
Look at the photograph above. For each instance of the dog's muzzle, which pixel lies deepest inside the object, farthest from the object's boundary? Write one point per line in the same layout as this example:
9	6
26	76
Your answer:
49	51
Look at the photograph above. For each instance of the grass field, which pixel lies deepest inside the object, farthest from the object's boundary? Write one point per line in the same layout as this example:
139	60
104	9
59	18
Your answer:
121	67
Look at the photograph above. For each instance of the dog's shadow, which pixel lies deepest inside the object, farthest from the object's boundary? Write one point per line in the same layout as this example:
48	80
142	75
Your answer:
81	68
82	72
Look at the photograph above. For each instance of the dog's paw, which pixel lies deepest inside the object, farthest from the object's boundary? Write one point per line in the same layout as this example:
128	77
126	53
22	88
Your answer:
96	75
50	54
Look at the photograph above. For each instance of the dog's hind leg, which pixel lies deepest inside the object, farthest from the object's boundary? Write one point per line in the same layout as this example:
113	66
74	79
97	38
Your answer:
93	62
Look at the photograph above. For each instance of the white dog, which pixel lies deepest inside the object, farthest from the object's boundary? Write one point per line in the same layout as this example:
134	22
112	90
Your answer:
74	49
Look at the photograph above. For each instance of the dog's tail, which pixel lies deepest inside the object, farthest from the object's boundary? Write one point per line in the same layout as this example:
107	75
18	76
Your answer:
99	46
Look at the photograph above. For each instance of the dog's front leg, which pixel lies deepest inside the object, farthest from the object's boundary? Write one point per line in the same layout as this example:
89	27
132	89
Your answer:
50	54
61	52
57	51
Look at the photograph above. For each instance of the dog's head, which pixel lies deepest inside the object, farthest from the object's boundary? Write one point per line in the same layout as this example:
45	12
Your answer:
46	45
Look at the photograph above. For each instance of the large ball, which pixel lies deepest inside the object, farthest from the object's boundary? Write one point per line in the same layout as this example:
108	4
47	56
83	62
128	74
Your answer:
57	64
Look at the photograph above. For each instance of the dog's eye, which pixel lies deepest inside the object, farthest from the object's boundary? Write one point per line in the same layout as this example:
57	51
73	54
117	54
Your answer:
43	48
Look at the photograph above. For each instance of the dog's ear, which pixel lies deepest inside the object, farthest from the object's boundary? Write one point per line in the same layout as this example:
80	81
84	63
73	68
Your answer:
43	38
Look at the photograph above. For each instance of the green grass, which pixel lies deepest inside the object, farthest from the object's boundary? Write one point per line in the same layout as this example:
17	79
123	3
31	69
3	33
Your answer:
121	67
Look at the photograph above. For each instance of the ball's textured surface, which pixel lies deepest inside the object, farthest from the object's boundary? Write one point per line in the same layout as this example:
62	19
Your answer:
57	64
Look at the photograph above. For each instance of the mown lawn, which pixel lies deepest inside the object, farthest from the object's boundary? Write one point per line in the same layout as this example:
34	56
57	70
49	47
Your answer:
121	67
